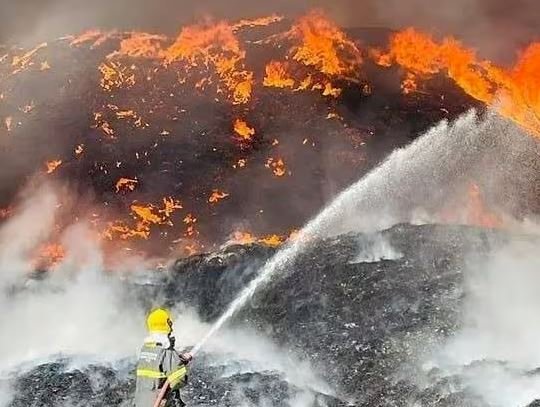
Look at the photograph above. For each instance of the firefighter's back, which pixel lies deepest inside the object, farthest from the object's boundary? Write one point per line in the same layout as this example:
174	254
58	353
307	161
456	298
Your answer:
150	377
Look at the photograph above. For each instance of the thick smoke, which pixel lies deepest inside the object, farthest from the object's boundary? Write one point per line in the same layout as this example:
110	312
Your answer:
85	313
22	233
496	26
497	350
76	310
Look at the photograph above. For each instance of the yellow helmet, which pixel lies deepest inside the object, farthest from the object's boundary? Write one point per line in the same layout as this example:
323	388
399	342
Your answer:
159	321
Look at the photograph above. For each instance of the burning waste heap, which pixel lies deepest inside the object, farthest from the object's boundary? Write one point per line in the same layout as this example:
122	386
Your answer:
240	132
233	130
343	329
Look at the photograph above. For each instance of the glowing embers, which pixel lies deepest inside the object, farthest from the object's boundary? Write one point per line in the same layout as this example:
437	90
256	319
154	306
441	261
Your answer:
217	196
26	60
49	255
126	184
277	166
145	217
241	163
52	166
93	37
272	240
190	221
243	130
114	75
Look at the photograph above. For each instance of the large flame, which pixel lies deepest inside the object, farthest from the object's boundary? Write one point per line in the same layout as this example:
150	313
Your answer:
515	92
215	47
324	45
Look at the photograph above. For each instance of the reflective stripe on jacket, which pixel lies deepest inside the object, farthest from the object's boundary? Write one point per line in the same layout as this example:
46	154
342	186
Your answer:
155	366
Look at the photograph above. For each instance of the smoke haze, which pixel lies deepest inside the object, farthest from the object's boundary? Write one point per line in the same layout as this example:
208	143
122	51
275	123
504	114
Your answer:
82	312
497	348
498	27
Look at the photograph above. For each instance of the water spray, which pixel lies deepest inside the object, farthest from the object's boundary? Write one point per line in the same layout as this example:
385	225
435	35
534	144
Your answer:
401	178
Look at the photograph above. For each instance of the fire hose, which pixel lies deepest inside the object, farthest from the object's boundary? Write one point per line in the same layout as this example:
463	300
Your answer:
161	394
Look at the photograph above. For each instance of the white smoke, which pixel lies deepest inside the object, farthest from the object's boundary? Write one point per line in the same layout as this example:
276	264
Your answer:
84	312
23	232
374	248
498	346
78	309
6	393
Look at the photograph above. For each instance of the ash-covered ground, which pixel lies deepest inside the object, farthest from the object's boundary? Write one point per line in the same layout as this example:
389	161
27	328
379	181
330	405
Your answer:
414	315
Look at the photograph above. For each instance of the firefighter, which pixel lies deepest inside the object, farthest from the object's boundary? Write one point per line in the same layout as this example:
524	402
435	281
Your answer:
160	366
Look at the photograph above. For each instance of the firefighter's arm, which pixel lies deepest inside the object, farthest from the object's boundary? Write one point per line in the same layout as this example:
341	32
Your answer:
176	369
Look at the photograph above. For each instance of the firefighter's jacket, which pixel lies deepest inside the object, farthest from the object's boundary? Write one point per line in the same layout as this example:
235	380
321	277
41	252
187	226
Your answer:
158	362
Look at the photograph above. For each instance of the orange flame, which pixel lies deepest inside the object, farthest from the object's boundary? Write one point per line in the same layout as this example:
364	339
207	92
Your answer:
126	184
146	216
50	255
239	237
409	84
169	206
242	129
190	220
246	238
214	46
141	45
24	61
277	76
519	96
421	55
277	166
472	210
258	22
477	213
114	75
217	196
514	93
325	46
272	240
53	165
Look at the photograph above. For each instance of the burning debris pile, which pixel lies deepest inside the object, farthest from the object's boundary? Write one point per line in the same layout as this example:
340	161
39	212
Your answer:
373	330
235	131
